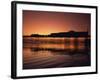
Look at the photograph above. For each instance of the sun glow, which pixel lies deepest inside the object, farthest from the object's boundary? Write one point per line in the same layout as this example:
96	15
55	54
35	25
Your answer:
44	23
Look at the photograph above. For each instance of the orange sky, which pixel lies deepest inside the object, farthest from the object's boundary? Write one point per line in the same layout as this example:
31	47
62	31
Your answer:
43	22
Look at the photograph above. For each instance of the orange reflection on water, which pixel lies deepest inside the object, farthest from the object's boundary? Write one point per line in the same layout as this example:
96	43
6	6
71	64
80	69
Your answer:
54	52
56	43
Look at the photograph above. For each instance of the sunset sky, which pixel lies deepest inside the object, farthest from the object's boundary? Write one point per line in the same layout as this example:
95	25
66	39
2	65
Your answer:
43	22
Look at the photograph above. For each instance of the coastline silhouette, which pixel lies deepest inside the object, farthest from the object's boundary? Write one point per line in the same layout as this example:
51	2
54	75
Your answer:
63	34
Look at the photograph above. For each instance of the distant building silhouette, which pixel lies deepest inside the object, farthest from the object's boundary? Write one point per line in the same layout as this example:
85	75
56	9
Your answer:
69	34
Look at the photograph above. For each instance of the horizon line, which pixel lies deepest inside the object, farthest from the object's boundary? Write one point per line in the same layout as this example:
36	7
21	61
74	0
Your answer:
57	33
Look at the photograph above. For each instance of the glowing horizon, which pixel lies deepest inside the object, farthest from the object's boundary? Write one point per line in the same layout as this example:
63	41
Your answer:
45	23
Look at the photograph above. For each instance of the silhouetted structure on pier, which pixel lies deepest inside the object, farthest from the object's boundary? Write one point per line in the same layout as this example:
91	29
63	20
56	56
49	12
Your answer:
69	34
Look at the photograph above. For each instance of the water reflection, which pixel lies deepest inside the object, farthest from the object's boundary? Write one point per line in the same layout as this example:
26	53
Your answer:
46	52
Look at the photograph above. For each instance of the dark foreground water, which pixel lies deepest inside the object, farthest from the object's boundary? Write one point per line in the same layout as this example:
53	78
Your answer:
46	52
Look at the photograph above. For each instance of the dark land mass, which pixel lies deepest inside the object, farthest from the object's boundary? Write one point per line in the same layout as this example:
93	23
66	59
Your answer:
63	34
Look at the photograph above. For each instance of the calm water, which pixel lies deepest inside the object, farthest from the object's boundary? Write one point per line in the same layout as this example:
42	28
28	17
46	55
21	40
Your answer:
46	52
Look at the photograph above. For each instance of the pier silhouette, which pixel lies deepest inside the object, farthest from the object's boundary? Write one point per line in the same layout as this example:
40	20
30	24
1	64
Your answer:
70	34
